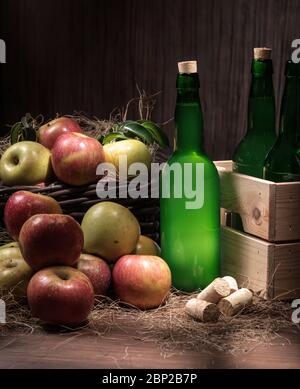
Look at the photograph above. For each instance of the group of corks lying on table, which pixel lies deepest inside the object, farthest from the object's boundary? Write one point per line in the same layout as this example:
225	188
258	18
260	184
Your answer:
221	296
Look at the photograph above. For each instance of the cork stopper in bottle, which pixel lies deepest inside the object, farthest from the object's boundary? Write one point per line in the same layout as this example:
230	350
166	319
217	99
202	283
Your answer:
187	67
262	53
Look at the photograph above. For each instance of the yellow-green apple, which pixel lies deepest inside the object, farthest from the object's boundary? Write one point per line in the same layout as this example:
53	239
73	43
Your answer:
146	246
10	250
60	295
10	245
98	272
15	273
22	205
49	132
134	150
25	163
50	239
75	158
142	280
110	231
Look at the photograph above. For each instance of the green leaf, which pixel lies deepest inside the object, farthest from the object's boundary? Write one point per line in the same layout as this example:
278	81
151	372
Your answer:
113	137
158	134
100	138
134	129
16	133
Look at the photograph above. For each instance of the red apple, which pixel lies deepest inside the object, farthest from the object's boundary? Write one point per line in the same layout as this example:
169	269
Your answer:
75	158
142	280
60	295
97	270
22	205
47	240
49	132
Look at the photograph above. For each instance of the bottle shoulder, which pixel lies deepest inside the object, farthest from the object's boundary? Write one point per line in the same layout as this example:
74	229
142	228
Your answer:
282	153
188	158
254	146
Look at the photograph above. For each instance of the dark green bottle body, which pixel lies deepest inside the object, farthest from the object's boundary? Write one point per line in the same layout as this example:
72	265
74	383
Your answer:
190	237
251	152
282	163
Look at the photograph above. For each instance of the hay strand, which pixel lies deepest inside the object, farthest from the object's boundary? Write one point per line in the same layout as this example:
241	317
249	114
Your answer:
169	326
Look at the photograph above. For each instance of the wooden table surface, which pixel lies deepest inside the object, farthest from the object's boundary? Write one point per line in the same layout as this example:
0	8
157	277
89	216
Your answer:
119	350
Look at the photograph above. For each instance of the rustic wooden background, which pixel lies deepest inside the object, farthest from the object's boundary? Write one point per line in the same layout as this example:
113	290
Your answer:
88	55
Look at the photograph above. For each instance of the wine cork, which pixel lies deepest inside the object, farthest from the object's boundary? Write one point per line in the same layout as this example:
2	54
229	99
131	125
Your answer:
262	53
234	303
232	283
215	291
187	67
202	310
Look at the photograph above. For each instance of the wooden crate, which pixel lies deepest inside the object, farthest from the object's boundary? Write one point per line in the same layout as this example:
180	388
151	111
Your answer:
271	269
268	210
268	260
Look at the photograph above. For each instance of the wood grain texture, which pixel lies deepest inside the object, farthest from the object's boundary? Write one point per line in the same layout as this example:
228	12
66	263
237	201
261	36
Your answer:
287	270
268	210
249	260
252	198
119	350
273	270
66	55
287	211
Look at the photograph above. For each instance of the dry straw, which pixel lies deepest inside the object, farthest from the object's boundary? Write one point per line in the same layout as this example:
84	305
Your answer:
169	326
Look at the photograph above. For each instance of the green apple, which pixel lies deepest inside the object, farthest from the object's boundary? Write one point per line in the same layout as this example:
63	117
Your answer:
134	150
8	245
15	273
25	163
110	231
147	246
10	250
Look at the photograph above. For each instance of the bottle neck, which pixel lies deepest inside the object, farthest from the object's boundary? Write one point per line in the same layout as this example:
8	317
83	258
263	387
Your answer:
261	104
290	110
188	114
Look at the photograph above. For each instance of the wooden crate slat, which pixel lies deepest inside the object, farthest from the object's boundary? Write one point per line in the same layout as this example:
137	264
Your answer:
268	210
273	270
252	198
246	259
287	211
287	270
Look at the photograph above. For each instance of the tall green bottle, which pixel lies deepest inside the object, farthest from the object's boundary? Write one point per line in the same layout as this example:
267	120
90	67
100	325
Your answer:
251	152
283	161
190	230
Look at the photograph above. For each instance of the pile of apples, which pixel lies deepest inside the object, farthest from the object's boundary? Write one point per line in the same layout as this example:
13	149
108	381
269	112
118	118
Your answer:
57	263
61	265
65	153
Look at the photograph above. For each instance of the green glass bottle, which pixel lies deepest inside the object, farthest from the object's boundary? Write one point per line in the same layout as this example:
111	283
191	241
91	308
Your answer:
190	230
283	161
251	152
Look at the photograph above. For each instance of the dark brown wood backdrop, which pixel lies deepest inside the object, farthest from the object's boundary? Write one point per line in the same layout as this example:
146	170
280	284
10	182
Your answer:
66	55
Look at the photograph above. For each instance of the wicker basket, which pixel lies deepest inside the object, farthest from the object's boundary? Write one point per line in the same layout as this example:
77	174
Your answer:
75	201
